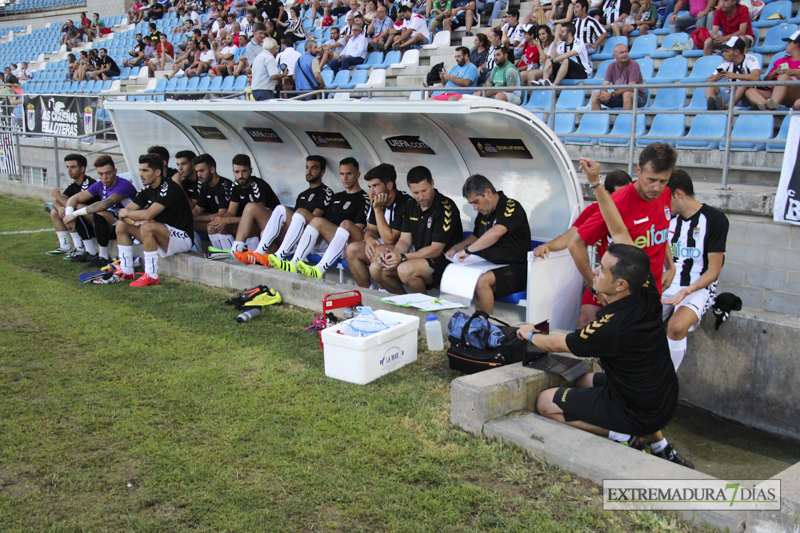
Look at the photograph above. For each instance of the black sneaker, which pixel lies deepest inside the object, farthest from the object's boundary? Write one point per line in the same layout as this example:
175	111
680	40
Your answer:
638	443
711	103
672	456
98	263
82	257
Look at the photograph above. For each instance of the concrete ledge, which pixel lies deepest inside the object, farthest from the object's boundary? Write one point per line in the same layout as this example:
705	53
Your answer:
25	190
595	458
788	518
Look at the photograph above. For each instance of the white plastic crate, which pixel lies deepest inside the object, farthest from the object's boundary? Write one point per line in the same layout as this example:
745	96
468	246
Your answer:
362	360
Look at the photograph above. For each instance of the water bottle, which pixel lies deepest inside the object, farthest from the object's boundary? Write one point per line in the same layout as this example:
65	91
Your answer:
247	316
433	333
349	312
366	323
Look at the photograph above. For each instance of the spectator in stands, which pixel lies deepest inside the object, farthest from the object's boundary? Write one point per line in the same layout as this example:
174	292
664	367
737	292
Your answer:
164	54
288	57
504	74
415	31
224	53
784	69
265	72
76	170
545	44
25	73
205	60
186	28
93	65
501	235
353	52
479	52
561	12
293	28
512	30
247	23
463	74
154	33
156	11
462	13
491	10
571	60
308	70
137	12
438	12
84	26
108	67
698	11
731	19
528	65
254	46
97	26
142	52
738	66
614	11
645	20
185	60
485	68
379	30
623	71
587	29
194	35
71	35
332	49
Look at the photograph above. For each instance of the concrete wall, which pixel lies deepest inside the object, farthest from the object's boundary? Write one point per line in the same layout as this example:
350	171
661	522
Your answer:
108	8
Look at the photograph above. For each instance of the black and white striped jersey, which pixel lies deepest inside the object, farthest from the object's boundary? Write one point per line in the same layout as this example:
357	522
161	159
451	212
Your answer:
588	30
692	240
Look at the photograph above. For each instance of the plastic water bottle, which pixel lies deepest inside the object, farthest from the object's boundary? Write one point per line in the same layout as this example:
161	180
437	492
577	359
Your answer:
247	316
366	323
433	333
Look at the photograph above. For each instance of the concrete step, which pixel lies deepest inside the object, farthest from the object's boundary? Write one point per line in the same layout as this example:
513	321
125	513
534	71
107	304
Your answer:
406	81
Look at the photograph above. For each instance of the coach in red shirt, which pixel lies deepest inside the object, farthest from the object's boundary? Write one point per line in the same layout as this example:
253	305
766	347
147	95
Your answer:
730	20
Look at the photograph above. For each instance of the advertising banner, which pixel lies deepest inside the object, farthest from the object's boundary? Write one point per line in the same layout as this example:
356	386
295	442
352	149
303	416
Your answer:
60	115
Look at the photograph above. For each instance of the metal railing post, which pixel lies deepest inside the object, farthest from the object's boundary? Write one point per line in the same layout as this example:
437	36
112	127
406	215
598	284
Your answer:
632	146
728	128
55	152
18	152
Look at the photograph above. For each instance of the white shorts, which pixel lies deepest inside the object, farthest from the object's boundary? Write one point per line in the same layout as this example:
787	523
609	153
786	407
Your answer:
512	98
179	242
698	301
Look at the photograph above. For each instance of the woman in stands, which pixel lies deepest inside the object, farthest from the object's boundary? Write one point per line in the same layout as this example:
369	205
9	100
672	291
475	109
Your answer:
72	67
294	26
545	43
478	55
561	12
785	69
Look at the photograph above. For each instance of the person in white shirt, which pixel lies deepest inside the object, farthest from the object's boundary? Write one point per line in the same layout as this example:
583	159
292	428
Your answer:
333	48
265	71
289	56
571	61
737	66
353	53
415	30
204	62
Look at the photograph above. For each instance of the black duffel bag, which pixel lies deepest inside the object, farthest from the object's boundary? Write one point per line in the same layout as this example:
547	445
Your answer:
469	359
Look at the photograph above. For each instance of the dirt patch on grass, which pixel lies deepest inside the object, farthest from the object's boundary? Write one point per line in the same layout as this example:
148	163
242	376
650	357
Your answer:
12	319
16	485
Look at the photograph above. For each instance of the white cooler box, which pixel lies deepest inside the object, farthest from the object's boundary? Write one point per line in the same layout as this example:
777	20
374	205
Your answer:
361	360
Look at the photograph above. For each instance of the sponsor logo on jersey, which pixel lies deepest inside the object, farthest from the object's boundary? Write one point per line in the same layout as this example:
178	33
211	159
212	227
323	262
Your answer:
164	188
696	233
652	237
310	197
641	220
667	213
346	205
684	252
430	221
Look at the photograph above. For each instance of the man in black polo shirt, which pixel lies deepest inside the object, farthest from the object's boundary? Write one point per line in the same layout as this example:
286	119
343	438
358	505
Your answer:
344	220
212	199
287	224
638	392
186	177
501	235
159	217
382	231
248	189
431	224
163	153
76	170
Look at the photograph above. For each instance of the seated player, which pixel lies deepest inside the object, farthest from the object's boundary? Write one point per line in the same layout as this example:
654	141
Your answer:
186	177
638	392
589	304
431	225
212	199
344	221
160	217
382	231
501	235
114	193
288	224
163	153
76	170
248	189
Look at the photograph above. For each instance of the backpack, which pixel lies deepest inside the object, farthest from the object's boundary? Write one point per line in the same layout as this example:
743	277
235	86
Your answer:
464	353
435	74
699	37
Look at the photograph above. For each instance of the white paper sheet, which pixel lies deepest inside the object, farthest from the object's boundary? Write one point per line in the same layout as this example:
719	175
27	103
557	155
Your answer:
407	299
460	280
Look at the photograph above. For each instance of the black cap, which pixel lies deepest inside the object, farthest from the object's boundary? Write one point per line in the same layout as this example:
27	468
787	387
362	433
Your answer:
735	43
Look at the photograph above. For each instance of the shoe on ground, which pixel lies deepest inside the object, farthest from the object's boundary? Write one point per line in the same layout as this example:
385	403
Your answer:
720	103
711	103
145	281
270	297
73	253
217	256
638	443
83	258
282	264
317	325
672	456
114	277
58	251
244	257
469	34
772	105
308	270
98	263
546	83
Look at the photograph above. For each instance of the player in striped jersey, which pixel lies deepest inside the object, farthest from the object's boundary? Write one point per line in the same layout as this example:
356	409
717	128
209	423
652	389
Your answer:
587	28
697	236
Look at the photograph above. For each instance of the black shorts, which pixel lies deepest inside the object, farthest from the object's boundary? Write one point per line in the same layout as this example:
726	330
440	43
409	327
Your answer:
575	71
510	280
595	406
438	264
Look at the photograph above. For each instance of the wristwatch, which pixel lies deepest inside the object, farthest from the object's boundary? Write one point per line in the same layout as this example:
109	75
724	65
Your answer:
403	258
466	250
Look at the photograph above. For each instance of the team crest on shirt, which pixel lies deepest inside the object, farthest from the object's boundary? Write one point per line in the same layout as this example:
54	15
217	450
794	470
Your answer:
310	196
696	233
430	221
346	205
163	189
667	213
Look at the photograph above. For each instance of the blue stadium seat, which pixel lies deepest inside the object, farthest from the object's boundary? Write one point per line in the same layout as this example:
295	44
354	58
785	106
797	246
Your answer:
782	134
671	70
205	84
172	85
571	99
360	76
125	73
391	58
773	42
608	48
669	99
375	58
643	46
193	84
59	88
183	83
668	41
216	84
646	66
698	101
592	125
133	73
599	73
783	8
342	78
663	126
564	123
705	126
702	69
622	126
160	87
751	127
227	83
327	77
240	83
